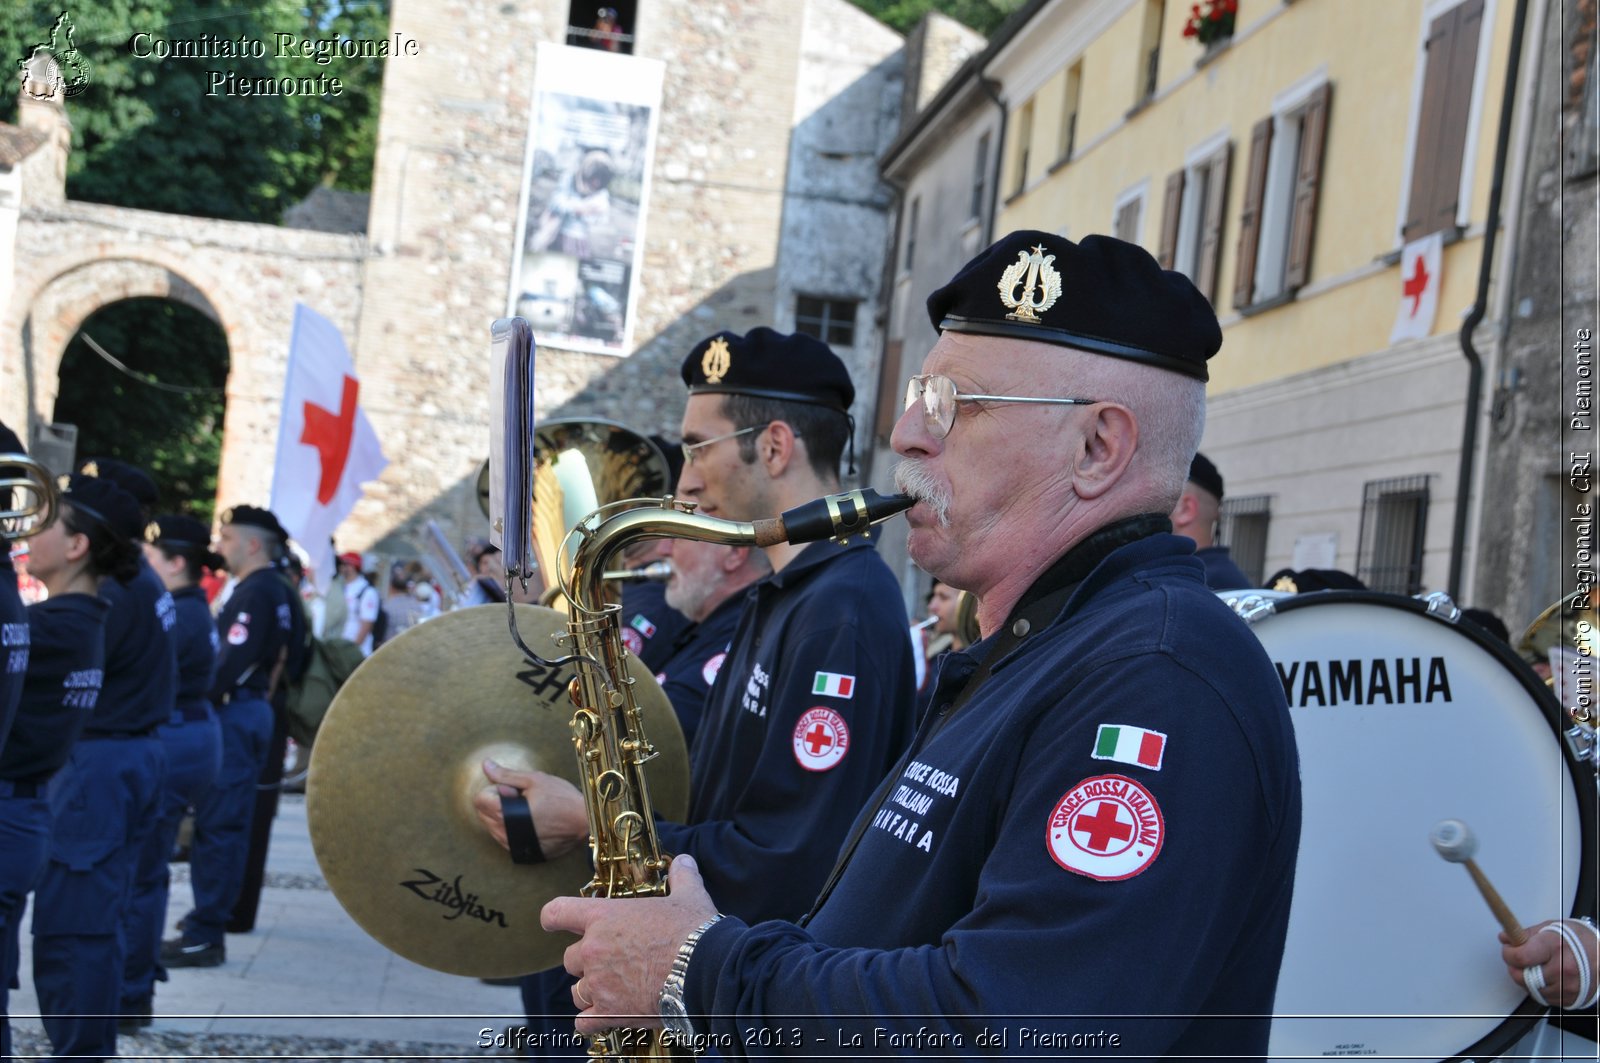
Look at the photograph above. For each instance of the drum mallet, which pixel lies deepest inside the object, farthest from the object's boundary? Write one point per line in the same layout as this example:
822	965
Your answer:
1455	842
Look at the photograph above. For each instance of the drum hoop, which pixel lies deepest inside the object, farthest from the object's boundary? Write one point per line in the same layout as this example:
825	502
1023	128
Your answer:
1528	1014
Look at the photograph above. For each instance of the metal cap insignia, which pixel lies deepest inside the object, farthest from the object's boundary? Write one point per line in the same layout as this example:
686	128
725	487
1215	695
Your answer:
716	361
1040	288
90	468
152	532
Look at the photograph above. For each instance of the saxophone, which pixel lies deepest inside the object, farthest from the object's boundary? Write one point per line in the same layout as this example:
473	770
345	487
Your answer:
607	735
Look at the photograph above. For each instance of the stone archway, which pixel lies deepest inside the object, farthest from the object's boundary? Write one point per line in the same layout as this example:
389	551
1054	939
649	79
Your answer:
52	313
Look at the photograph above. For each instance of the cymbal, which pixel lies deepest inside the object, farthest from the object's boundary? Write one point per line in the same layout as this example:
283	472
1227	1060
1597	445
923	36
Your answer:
399	758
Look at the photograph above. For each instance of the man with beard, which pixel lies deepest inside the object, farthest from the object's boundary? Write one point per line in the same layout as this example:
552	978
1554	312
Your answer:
1116	740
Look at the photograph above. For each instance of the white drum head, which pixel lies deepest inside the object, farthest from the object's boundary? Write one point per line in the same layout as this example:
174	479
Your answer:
1402	721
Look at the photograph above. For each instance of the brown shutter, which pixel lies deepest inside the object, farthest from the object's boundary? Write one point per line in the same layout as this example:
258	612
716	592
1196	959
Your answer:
1208	261
1255	188
1307	185
1169	220
1452	57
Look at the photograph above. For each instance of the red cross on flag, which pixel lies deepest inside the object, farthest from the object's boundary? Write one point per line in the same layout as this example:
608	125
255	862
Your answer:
326	446
1420	269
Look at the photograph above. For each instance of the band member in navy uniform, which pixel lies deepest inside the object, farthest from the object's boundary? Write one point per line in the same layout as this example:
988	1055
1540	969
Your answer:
1117	738
103	800
178	548
65	669
255	626
13	621
1195	517
814	701
706	585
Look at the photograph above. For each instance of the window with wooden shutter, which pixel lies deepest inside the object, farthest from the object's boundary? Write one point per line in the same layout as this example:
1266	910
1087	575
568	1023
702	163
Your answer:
1255	190
1172	204
1208	260
1024	146
1308	181
890	391
1126	216
1450	60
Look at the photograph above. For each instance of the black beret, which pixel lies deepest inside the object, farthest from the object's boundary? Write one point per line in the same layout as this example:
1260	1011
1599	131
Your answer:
1203	474
769	365
255	517
1102	295
1307	580
100	499
130	478
177	531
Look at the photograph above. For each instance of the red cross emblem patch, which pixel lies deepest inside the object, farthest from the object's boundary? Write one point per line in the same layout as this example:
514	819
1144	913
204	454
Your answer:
821	738
1107	827
631	639
238	634
712	667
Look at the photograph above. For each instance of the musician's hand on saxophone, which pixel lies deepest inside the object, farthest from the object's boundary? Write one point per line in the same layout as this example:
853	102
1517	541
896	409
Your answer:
626	947
559	817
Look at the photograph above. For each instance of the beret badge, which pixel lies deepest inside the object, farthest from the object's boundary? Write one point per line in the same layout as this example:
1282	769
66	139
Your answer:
716	361
90	468
1038	281
152	532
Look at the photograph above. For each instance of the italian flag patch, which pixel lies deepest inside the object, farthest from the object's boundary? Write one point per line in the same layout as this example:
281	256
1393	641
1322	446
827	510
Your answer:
834	685
1130	745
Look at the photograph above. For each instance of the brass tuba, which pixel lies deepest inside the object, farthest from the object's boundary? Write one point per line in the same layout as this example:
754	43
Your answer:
607	734
38	505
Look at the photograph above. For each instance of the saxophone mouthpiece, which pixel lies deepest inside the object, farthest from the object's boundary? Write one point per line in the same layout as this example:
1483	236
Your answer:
831	517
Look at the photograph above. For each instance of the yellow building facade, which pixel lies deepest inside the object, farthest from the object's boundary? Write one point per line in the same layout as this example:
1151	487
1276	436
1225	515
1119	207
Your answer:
1283	167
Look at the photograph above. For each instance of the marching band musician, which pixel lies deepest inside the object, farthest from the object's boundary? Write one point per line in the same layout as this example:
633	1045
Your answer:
179	550
13	620
86	545
103	799
257	631
1116	739
814	700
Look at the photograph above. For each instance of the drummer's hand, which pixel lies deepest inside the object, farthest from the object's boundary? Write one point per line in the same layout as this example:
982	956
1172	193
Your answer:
626	947
559	814
1549	951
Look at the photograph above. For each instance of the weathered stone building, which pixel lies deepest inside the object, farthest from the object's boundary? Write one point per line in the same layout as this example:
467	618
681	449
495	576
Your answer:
764	192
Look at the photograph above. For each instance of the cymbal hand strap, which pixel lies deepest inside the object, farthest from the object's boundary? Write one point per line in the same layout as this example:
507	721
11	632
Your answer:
521	836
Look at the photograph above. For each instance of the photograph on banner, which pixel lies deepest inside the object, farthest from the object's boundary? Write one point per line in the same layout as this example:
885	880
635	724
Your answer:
585	186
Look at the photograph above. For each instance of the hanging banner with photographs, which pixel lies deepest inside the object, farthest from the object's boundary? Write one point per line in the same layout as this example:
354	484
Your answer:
586	180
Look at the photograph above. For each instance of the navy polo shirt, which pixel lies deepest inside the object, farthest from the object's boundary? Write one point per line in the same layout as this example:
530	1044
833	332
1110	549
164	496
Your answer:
65	671
697	656
256	624
650	627
812	705
13	644
196	639
141	683
1100	842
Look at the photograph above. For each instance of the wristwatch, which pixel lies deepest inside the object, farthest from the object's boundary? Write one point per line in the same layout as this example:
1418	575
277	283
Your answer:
674	1014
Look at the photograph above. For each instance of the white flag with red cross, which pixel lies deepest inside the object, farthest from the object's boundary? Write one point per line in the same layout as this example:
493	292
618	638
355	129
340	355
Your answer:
1421	266
326	446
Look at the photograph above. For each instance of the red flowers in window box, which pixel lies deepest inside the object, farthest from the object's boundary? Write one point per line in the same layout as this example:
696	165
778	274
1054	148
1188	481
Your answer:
1211	20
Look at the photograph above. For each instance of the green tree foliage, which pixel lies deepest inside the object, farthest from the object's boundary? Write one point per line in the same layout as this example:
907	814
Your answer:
984	16
163	134
176	436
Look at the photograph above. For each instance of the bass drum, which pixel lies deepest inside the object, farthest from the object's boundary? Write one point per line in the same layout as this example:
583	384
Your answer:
1404	719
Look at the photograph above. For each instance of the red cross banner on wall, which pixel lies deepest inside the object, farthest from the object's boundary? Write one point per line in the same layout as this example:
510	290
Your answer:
326	446
1421	266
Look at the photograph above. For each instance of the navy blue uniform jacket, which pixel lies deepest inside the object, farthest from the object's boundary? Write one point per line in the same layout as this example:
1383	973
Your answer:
810	709
141	685
196	639
1221	572
65	670
1012	869
697	656
13	644
256	625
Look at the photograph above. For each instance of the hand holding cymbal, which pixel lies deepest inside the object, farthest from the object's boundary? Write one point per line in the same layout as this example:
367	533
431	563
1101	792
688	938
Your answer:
1455	842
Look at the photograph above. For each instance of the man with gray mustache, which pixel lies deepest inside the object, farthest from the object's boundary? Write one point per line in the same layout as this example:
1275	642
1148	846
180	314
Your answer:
1091	841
